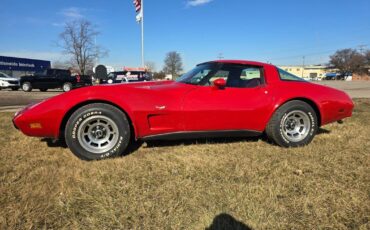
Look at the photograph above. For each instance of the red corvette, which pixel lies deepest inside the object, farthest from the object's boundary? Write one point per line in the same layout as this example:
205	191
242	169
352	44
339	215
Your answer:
219	98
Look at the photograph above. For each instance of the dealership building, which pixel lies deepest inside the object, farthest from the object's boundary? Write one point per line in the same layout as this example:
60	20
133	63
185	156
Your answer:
17	67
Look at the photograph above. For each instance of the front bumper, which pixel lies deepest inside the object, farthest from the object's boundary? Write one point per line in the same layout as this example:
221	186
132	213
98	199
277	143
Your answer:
5	85
15	126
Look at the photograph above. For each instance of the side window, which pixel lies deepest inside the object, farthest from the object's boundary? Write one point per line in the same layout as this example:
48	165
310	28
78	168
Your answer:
245	77
285	76
250	73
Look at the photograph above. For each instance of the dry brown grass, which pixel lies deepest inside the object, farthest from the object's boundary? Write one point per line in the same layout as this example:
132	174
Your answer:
216	185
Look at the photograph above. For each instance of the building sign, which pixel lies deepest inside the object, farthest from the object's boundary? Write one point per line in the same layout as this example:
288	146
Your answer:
23	64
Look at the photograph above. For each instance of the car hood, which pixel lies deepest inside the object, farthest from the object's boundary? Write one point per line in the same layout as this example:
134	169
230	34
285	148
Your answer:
8	79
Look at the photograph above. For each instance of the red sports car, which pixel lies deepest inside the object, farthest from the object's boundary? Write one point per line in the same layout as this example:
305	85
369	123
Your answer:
218	98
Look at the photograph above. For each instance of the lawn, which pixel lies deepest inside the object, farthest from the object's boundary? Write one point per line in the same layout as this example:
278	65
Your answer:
214	184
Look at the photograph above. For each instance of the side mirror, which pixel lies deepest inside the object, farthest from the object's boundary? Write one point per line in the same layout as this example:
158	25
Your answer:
219	83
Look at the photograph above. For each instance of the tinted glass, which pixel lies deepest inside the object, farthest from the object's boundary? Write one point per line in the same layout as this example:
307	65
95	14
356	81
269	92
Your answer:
41	73
237	76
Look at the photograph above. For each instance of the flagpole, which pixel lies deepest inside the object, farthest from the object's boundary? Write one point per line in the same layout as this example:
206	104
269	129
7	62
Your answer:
142	34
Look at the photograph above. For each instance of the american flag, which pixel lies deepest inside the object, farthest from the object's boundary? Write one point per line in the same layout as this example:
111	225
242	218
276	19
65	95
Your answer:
137	4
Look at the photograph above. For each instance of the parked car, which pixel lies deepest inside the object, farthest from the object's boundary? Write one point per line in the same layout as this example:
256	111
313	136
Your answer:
7	81
53	79
127	76
338	76
215	99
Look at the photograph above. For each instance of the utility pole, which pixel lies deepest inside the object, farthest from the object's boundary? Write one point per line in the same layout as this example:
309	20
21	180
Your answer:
142	34
96	49
220	56
303	63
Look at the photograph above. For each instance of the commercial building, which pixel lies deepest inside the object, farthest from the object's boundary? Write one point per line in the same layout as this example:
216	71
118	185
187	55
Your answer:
311	72
17	67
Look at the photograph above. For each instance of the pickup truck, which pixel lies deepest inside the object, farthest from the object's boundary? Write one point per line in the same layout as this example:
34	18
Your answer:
53	79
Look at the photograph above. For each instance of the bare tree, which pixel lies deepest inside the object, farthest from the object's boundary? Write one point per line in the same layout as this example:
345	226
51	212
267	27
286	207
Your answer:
159	75
60	64
150	66
367	55
77	41
348	61
173	64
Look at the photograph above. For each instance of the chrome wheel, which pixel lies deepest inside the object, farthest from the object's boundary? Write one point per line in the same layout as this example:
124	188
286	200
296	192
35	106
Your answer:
25	87
98	134
66	87
296	125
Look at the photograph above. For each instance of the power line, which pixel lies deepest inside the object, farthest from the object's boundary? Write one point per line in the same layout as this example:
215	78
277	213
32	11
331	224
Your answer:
309	54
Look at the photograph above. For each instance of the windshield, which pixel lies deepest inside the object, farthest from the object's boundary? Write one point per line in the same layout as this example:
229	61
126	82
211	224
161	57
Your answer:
284	75
200	74
5	75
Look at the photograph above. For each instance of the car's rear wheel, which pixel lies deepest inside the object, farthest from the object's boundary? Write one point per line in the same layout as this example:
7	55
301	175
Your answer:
26	87
294	124
97	131
67	87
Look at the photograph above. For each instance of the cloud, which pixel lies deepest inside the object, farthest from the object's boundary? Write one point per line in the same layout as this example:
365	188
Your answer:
58	24
198	2
72	13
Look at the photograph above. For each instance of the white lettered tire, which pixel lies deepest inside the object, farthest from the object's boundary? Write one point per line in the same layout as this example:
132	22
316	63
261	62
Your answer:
97	131
294	124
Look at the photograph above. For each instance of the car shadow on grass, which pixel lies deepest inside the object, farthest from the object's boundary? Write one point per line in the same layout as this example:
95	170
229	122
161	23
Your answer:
225	221
322	131
54	143
184	142
218	140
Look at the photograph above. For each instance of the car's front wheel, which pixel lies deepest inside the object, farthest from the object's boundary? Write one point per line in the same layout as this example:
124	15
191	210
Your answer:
294	124
97	131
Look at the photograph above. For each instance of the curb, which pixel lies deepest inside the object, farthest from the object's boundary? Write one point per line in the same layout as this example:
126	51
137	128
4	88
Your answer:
12	108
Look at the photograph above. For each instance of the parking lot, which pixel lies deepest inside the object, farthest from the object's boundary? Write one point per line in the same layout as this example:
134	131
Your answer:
13	100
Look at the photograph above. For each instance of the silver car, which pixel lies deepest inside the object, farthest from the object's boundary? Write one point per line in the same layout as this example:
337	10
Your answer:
7	81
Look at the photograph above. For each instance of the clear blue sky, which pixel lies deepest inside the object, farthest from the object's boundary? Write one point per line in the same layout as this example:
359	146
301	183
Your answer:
280	32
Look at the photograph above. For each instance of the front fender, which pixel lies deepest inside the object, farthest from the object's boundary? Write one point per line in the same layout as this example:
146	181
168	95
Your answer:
46	118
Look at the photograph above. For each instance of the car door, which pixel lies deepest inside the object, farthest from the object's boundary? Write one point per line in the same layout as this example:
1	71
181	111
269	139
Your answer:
241	105
39	79
48	80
